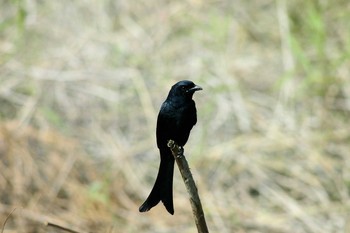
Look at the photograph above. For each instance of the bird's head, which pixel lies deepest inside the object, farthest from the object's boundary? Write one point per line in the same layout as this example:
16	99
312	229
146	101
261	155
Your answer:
184	88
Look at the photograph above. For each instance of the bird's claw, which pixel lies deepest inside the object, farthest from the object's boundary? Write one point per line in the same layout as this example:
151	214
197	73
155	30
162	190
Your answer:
171	144
180	152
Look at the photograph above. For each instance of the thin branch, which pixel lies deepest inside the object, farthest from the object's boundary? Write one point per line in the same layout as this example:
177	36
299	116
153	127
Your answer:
191	187
8	216
37	217
50	224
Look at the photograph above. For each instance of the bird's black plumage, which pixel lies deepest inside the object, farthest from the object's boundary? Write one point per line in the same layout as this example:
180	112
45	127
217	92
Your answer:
176	118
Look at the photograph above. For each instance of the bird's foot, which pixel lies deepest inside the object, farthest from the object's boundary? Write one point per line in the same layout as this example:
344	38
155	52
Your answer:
180	152
176	149
171	144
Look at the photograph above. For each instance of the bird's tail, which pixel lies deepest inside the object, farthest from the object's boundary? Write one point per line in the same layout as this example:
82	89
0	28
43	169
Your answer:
163	187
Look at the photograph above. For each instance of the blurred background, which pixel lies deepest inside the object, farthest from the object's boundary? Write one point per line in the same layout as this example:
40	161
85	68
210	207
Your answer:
81	83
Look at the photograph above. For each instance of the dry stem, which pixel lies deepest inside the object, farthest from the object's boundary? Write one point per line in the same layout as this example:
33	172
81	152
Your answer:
191	187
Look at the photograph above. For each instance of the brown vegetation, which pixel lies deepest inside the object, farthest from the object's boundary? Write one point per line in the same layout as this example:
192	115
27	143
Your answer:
81	83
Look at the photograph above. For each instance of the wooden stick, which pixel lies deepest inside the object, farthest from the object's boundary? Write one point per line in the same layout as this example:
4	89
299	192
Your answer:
191	187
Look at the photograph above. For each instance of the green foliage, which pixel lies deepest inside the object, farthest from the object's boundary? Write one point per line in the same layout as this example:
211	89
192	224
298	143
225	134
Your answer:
52	116
317	53
98	192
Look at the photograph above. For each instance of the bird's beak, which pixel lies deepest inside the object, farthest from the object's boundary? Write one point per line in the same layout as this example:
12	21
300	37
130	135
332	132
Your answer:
195	88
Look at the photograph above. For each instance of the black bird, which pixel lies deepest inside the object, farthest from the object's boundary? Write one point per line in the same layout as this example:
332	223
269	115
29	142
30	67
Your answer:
176	118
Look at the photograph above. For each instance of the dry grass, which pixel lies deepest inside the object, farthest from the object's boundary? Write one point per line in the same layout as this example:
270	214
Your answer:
81	83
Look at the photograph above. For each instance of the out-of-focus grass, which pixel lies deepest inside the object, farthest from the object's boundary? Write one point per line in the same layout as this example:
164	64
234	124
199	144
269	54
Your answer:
81	84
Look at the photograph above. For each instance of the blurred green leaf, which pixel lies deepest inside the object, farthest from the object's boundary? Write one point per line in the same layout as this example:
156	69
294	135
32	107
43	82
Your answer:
98	191
53	117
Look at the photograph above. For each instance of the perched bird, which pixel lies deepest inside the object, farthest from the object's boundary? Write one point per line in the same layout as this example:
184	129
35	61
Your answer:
176	118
